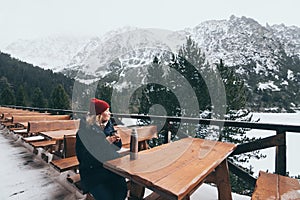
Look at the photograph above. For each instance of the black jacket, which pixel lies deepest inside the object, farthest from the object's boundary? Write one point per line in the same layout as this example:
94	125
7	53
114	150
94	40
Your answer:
92	149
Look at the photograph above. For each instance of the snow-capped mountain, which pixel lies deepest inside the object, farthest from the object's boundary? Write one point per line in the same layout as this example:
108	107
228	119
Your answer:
288	36
133	47
267	57
237	41
48	53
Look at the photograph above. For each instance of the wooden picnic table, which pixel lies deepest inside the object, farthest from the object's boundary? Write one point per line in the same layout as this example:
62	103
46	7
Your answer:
58	135
175	170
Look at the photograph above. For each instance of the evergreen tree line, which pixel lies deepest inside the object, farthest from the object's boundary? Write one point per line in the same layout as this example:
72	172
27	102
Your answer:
23	84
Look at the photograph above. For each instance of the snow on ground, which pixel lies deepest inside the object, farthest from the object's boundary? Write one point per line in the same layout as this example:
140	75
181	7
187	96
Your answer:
293	141
26	177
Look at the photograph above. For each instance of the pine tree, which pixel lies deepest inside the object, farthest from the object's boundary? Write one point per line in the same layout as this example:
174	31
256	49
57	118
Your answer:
234	87
20	97
59	98
38	100
193	66
104	92
7	97
3	83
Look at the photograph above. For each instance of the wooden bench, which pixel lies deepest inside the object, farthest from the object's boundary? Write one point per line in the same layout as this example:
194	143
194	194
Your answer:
145	133
18	121
48	144
52	125
274	186
35	127
69	160
27	118
42	144
65	164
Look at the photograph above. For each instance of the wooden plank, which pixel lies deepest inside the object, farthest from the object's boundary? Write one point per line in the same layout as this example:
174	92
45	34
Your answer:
144	133
274	186
9	115
65	164
45	143
58	135
28	118
260	144
69	146
223	182
280	159
33	138
20	131
53	125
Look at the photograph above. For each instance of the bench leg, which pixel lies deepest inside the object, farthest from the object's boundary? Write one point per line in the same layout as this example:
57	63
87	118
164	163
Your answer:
136	191
223	182
143	145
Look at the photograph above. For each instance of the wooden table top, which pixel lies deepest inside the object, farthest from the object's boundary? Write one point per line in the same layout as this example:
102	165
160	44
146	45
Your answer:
59	135
173	170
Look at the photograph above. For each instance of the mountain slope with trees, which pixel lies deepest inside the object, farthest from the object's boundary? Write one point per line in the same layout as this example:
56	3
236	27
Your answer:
23	84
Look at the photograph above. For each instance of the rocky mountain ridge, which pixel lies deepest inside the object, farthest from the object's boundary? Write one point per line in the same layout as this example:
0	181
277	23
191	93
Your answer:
266	57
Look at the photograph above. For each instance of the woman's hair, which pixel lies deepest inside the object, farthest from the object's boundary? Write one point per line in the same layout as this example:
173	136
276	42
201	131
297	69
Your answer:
93	119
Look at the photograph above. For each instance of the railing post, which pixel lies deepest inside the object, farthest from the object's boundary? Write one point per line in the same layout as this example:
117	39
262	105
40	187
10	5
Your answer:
280	159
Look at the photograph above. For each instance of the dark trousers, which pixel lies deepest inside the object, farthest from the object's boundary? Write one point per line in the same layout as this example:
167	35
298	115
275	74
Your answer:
114	190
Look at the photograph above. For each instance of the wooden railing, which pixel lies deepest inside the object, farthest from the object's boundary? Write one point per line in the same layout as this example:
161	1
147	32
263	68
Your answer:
278	140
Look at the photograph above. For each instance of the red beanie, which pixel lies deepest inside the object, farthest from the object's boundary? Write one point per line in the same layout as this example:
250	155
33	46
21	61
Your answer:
98	106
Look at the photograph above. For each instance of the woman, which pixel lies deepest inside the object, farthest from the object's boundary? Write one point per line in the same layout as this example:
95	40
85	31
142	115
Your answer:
97	142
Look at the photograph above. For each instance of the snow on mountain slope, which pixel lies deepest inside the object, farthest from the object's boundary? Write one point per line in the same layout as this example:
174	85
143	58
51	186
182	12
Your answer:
133	48
238	41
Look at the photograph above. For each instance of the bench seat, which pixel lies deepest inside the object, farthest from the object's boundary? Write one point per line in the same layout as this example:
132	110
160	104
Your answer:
33	138
42	144
274	186
65	164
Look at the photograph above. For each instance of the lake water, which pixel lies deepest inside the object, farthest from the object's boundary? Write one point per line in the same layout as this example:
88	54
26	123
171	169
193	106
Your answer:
293	142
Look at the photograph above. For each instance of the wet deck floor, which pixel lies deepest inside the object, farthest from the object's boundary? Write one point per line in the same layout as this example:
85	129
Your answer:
25	176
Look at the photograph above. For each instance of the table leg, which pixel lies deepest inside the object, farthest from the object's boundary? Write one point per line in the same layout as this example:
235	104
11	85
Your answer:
136	191
223	182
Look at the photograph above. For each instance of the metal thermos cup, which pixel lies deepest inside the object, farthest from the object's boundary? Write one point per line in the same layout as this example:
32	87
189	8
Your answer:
134	144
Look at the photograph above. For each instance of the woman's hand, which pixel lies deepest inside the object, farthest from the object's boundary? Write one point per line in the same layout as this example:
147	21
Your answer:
114	138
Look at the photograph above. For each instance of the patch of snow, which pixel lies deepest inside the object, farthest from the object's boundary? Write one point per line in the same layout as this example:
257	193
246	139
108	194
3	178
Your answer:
268	85
290	74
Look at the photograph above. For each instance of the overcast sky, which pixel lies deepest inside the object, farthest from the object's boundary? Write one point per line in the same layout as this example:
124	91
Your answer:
39	18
